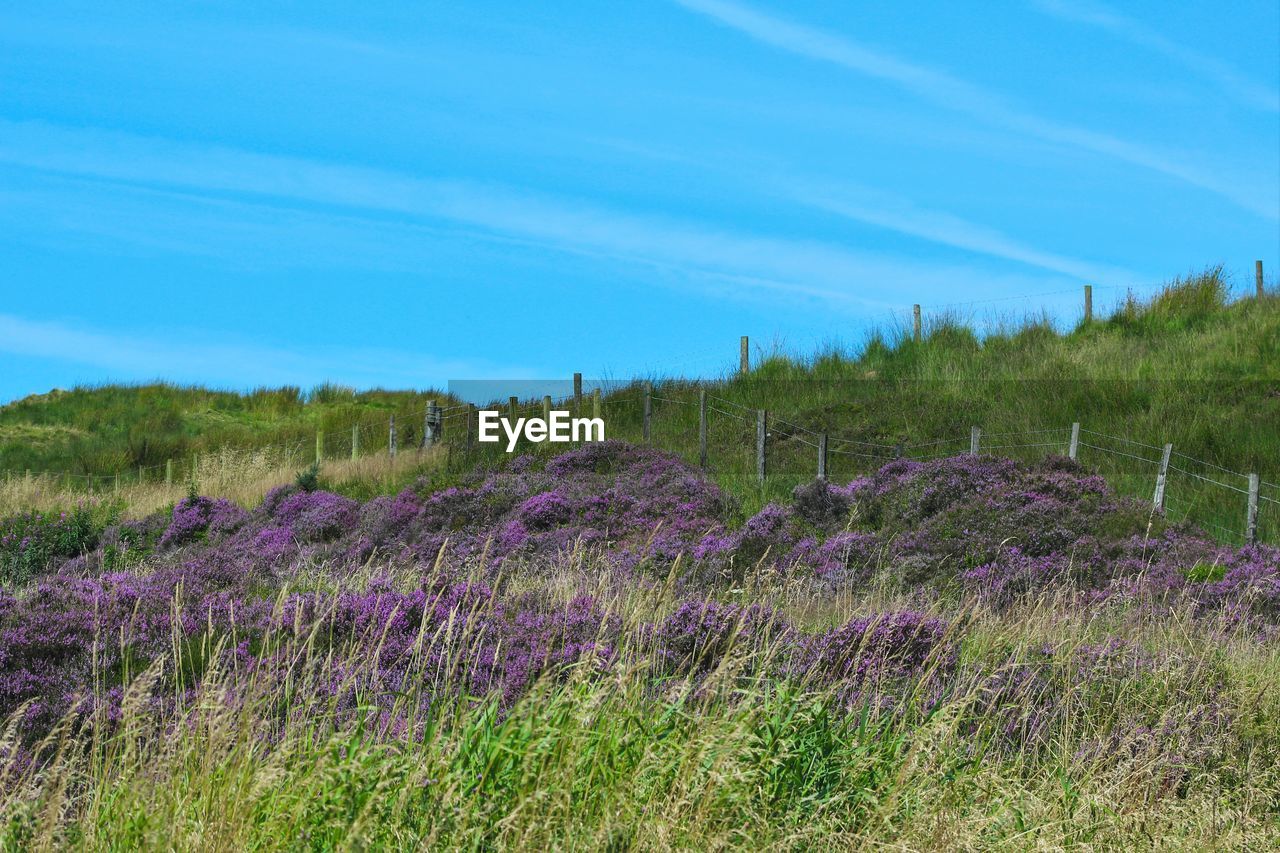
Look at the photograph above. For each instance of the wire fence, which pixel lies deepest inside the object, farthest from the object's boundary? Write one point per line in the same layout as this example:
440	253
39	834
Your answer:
1230	504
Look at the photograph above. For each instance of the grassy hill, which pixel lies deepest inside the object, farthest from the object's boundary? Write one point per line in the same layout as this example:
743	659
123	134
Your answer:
107	429
1187	367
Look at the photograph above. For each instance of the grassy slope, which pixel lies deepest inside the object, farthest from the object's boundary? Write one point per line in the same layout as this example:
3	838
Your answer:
102	430
1187	368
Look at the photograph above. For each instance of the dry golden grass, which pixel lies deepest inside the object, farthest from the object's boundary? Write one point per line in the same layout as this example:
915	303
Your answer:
243	476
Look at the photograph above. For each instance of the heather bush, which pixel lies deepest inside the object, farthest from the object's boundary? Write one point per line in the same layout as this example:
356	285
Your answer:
617	577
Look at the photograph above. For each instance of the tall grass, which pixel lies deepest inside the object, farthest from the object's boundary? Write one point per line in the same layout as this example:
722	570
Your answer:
244	476
618	758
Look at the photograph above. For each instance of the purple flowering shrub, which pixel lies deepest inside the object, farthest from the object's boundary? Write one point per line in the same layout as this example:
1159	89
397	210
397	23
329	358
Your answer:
196	516
699	634
870	651
76	614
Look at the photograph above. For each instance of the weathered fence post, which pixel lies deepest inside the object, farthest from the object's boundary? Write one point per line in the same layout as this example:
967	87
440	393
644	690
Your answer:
431	425
577	393
355	442
319	446
744	356
1251	512
168	472
975	440
1257	276
513	403
761	433
1158	499
1074	448
546	407
702	427
916	329
595	403
391	438
472	426
1088	303
822	456
648	410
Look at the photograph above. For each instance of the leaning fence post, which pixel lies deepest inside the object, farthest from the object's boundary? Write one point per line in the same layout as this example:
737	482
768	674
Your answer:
916	331
1257	276
355	441
1251	513
577	393
168	472
391	438
1088	303
1158	499
648	410
319	446
822	456
1074	447
975	440
702	427
761	433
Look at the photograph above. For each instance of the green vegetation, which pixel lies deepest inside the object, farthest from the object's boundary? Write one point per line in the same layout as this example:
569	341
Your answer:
117	428
1187	367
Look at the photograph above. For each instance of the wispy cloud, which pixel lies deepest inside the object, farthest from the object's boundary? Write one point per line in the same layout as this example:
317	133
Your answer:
1229	80
234	363
884	210
835	276
961	96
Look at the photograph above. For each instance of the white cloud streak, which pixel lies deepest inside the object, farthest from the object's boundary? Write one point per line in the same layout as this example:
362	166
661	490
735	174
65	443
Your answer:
132	357
832	275
1232	83
963	97
897	214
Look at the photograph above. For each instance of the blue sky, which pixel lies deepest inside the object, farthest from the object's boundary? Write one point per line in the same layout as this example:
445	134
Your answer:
398	195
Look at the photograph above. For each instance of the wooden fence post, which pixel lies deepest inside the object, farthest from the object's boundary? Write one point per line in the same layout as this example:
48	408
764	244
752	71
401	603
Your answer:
391	438
917	332
168	472
355	441
1251	512
1074	448
1088	303
744	356
513	403
546	407
577	393
702	427
761	433
431	425
648	411
822	456
1257	276
975	440
472	426
319	446
1158	499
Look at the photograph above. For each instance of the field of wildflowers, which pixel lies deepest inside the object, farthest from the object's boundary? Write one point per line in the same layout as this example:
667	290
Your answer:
599	650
